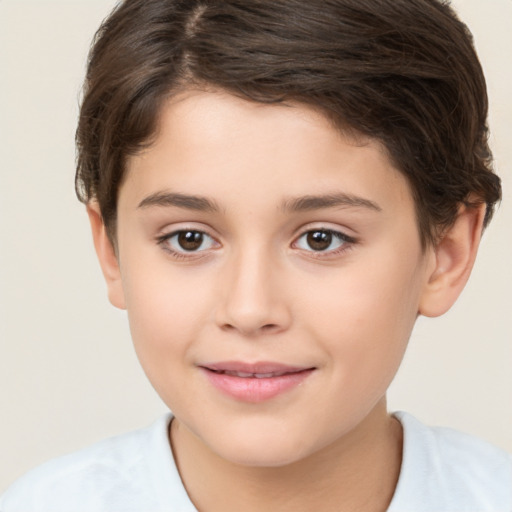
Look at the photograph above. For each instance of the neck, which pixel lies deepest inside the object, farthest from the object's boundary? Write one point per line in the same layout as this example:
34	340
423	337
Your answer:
358	472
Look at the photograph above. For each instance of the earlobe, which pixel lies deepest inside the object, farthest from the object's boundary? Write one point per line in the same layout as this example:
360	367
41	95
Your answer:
454	258
107	256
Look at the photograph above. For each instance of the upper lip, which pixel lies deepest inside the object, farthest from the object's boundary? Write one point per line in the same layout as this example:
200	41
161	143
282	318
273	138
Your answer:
265	368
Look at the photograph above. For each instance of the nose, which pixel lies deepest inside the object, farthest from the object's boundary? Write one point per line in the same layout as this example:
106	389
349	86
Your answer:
252	296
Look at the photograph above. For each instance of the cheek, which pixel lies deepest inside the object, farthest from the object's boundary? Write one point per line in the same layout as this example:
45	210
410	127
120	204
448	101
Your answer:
365	315
165	311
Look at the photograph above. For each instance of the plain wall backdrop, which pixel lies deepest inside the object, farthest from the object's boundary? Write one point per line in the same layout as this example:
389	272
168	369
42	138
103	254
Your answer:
68	374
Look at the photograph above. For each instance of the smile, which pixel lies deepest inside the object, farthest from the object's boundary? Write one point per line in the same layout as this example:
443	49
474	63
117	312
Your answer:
254	382
245	375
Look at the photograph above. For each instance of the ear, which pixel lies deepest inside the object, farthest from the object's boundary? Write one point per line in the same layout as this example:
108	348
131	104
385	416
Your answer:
107	256
454	257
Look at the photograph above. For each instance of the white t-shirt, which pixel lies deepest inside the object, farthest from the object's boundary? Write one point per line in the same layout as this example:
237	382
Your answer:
442	471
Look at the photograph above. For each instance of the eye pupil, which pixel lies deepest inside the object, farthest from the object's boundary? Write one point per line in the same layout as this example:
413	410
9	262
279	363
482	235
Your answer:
190	240
319	240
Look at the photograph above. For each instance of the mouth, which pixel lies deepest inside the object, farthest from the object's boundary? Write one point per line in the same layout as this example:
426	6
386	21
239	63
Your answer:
254	382
246	375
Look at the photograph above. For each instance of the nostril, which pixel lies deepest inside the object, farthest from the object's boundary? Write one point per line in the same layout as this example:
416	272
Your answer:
267	328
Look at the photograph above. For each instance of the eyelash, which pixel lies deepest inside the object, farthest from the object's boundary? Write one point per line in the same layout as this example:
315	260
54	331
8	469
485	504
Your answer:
163	241
346	243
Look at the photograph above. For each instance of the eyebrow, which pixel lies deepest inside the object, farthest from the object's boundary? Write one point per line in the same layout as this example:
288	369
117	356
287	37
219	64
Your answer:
296	204
189	202
313	202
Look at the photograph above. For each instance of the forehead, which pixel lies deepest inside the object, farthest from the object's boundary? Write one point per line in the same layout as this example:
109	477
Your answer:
216	143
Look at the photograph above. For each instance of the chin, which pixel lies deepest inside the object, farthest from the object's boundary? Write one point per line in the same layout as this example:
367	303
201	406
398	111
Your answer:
260	447
258	456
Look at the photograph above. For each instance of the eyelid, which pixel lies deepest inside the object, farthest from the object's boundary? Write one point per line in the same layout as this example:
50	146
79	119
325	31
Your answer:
178	227
168	234
348	241
326	226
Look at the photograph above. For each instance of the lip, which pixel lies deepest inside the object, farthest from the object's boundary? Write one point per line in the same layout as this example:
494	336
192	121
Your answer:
254	382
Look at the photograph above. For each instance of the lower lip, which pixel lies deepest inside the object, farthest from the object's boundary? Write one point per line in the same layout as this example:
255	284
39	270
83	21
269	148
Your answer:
254	390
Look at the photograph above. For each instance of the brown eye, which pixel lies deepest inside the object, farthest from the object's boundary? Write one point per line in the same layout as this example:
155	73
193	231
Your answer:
190	240
323	240
187	241
319	240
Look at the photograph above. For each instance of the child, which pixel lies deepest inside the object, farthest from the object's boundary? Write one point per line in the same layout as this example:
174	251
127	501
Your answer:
277	189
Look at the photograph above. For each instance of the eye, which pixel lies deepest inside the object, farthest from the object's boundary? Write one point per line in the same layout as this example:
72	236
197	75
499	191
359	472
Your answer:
187	241
322	240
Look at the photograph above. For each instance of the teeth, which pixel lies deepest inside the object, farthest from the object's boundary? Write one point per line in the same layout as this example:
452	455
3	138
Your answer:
243	374
247	375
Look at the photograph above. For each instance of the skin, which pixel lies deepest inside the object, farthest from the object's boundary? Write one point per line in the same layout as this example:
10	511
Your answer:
256	291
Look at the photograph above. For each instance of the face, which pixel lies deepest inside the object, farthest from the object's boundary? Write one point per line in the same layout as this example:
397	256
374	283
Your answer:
271	269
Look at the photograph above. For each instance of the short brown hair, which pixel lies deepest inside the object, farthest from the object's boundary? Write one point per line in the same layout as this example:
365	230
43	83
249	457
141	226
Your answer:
404	72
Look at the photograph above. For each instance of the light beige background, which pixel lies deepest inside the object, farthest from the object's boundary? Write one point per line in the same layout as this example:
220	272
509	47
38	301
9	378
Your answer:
68	375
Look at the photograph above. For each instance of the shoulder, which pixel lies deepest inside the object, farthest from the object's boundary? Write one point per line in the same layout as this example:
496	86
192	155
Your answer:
443	469
119	473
